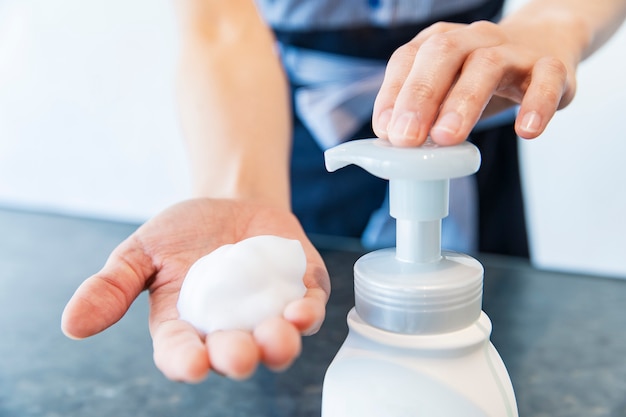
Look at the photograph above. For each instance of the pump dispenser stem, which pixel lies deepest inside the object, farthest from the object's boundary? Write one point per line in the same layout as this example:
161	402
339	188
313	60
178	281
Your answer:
418	207
418	242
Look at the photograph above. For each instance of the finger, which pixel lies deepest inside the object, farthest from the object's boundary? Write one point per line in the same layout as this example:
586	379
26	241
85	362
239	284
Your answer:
397	70
179	351
545	93
396	73
279	343
233	353
307	314
434	71
479	78
104	298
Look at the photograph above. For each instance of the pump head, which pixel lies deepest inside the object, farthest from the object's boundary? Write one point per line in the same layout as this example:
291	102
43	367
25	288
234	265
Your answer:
419	181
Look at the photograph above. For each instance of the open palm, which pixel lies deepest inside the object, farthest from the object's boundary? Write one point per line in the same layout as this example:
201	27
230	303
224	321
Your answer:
156	258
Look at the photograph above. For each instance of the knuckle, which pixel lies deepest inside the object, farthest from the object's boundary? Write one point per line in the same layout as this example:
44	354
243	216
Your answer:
440	27
554	64
421	90
470	98
555	88
487	57
555	67
403	57
482	26
550	95
408	50
443	43
436	28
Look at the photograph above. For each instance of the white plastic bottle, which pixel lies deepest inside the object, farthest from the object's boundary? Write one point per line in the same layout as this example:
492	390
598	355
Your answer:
418	342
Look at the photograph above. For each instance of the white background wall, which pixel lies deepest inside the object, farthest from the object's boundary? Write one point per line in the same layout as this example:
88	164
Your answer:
88	126
88	120
575	174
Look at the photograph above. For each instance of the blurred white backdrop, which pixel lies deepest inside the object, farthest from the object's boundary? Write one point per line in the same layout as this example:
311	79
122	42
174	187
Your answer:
88	126
575	173
88	122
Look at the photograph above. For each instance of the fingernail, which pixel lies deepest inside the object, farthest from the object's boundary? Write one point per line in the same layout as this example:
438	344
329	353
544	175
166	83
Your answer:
449	123
531	122
383	120
405	127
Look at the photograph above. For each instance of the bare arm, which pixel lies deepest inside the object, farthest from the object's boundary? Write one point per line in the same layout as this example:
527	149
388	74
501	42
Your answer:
233	102
591	23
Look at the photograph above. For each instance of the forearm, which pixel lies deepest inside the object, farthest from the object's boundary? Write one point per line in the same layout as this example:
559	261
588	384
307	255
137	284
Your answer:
582	25
234	103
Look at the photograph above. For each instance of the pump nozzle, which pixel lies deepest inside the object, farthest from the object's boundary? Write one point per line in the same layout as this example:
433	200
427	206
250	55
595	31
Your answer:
419	181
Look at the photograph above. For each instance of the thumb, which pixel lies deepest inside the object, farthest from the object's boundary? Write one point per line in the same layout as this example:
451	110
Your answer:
103	299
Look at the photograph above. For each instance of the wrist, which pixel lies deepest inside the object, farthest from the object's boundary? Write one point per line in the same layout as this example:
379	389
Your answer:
242	180
560	30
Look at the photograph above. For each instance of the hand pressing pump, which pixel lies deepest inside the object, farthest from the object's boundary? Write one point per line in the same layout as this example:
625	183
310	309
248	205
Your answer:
418	343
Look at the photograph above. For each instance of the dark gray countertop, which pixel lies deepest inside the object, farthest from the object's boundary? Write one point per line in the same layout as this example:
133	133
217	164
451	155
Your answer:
562	336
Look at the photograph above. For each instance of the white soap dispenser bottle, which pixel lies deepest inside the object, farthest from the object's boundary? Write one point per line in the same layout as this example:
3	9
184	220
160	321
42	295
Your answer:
418	343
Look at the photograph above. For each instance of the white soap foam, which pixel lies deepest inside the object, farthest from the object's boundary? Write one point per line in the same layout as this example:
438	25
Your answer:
238	286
